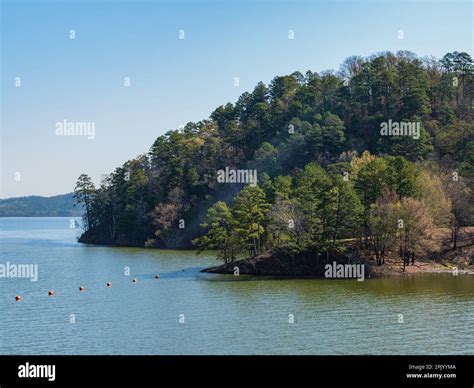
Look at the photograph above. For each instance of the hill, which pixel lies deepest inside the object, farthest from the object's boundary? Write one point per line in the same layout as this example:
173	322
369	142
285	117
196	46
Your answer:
310	159
37	206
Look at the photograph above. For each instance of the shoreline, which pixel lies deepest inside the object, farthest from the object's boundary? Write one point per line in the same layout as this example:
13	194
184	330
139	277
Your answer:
443	260
421	267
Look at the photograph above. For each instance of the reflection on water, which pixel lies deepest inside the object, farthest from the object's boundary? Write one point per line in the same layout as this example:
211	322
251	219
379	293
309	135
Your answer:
223	314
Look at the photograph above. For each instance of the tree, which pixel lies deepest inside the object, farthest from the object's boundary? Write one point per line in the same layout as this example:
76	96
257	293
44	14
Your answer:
402	176
314	193
433	195
282	187
411	148
357	162
413	88
461	198
220	234
371	178
287	226
265	159
414	226
348	210
383	224
84	193
333	133
460	66
249	209
163	216
454	140
302	142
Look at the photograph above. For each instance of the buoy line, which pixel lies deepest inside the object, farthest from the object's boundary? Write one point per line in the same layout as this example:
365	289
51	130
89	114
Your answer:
18	298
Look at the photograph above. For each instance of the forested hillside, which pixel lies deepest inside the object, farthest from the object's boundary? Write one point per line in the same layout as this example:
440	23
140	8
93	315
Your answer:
336	155
36	206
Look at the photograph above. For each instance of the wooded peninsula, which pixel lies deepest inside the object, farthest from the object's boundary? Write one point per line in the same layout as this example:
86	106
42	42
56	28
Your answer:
373	163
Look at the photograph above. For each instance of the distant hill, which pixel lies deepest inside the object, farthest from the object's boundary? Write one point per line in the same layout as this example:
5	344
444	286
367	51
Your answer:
37	206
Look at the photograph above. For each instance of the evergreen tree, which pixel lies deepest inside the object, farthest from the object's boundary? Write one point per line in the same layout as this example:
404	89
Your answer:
84	194
249	209
220	234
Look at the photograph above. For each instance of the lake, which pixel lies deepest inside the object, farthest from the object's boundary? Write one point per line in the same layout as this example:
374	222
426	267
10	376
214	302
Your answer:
188	312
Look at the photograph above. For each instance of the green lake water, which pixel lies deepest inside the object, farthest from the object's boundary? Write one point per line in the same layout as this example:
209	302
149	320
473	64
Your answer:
187	312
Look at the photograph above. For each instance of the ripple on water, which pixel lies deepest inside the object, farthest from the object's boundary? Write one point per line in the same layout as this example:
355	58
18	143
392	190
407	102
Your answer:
223	314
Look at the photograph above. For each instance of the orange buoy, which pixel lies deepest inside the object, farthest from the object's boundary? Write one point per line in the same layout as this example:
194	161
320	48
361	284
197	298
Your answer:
51	293
157	276
109	284
81	288
18	298
134	280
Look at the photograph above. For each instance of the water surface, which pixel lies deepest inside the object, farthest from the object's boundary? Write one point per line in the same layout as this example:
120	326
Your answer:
222	314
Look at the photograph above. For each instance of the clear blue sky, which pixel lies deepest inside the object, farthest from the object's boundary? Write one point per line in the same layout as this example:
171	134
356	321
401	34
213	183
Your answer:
173	81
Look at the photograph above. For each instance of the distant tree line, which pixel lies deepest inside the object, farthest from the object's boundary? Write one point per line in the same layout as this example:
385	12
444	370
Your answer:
37	206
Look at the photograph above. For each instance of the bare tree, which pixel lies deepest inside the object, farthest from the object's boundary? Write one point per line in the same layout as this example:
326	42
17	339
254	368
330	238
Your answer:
414	227
383	224
287	224
461	197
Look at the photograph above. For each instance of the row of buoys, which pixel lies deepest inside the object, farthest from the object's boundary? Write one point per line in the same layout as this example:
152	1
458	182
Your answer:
82	288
